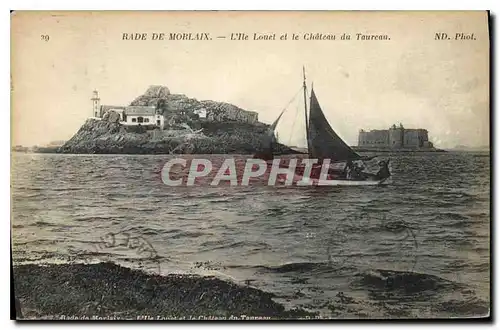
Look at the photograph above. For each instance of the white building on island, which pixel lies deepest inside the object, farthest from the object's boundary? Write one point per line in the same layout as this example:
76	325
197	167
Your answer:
128	115
201	112
142	115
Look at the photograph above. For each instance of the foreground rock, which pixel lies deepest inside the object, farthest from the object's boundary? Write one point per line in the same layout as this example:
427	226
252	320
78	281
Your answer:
109	290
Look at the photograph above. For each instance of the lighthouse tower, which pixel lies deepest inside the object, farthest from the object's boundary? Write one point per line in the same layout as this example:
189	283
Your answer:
95	104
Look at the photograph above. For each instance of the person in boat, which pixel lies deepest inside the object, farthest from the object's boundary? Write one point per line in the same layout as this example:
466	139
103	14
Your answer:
359	167
383	171
357	170
348	168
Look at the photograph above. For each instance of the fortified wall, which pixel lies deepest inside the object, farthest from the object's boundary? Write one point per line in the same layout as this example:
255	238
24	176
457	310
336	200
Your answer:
395	137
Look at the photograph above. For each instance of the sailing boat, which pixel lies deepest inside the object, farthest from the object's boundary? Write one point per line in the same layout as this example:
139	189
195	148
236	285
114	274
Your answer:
324	145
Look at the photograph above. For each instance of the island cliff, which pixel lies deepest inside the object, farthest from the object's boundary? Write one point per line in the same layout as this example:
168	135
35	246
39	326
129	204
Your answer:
191	127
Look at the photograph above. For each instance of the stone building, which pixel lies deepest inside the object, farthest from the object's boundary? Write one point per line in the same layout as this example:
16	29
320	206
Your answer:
132	115
396	137
142	115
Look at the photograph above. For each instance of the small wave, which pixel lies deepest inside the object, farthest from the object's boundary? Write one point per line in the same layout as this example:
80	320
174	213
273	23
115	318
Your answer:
30	188
117	196
458	224
305	267
138	209
480	249
276	211
478	214
482	267
470	307
68	189
141	230
454	266
452	194
19	196
221	200
451	216
95	218
252	245
248	245
92	254
243	221
42	223
295	267
406	282
188	234
170	231
453	240
40	241
287	230
150	231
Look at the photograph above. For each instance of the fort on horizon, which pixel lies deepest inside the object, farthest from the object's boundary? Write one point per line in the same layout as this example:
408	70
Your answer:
396	137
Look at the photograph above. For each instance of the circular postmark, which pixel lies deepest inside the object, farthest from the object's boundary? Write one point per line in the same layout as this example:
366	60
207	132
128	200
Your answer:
137	249
337	242
357	237
403	236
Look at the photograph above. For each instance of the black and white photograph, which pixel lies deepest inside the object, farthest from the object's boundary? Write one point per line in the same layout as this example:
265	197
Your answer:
230	165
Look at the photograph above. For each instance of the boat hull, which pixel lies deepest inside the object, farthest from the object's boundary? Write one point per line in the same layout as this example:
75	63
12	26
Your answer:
299	180
316	182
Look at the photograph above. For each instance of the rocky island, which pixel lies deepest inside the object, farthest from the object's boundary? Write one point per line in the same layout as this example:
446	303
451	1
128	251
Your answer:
159	122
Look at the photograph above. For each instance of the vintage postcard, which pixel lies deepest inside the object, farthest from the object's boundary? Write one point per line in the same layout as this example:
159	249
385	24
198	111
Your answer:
250	165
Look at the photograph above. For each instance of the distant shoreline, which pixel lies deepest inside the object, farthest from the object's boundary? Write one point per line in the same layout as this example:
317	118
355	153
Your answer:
402	150
54	151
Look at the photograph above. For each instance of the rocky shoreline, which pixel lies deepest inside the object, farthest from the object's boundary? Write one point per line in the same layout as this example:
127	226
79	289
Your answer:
103	137
392	150
110	291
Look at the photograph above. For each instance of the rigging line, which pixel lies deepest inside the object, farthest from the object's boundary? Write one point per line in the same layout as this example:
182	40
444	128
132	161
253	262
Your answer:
293	124
288	104
293	98
308	97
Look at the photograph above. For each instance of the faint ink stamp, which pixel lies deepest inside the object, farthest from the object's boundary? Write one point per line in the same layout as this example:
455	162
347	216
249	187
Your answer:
147	256
397	233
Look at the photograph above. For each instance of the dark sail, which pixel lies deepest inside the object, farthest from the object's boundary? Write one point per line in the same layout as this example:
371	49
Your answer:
273	126
271	138
323	141
269	141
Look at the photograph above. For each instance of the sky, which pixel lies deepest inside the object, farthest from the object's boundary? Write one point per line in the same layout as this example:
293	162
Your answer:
413	79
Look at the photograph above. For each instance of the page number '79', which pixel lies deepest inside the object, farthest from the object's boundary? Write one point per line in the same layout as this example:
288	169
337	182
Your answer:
45	37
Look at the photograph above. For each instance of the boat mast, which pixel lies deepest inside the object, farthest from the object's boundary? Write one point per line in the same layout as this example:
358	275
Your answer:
305	108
